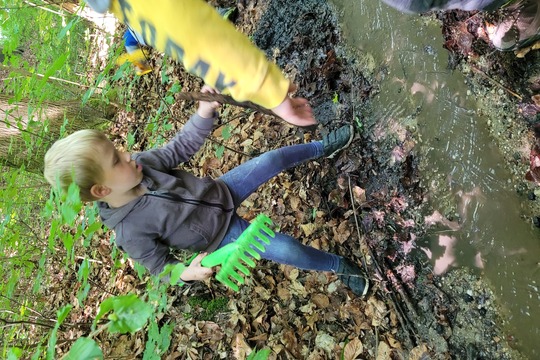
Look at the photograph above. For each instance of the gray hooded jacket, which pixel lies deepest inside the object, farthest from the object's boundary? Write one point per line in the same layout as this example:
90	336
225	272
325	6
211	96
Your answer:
179	211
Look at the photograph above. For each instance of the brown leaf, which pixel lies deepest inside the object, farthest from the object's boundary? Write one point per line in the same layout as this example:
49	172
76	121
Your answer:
419	352
240	348
384	351
308	228
284	293
359	195
353	349
536	99
342	232
320	300
393	342
295	202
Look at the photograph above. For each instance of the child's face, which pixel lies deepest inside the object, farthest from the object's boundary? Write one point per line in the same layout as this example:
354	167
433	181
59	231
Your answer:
121	173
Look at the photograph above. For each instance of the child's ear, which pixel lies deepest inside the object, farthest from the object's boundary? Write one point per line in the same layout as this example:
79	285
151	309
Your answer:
99	191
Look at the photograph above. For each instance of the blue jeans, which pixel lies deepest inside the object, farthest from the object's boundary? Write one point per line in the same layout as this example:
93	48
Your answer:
243	180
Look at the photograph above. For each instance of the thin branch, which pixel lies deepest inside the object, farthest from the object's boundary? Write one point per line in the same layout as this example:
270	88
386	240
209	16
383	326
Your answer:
21	304
223	99
30	74
519	97
212	138
13	323
44	8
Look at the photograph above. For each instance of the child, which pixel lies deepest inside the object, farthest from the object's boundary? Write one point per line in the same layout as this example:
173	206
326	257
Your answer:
153	206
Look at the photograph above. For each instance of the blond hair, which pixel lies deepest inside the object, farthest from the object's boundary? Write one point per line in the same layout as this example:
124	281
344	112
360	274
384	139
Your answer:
75	158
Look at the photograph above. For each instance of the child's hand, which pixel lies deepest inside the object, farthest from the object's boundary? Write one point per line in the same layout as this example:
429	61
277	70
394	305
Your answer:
195	271
206	109
296	111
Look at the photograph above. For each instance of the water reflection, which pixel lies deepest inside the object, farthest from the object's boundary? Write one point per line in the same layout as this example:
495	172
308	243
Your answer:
485	229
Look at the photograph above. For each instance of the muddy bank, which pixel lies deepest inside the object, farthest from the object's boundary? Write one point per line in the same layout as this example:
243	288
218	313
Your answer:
452	316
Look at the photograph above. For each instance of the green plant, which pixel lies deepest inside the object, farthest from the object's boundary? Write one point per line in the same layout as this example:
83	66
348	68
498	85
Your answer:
335	99
225	135
262	354
359	124
127	314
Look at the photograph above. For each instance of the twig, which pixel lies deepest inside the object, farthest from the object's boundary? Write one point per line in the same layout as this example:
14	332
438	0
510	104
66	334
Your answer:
401	314
223	99
212	138
357	225
519	97
9	322
29	74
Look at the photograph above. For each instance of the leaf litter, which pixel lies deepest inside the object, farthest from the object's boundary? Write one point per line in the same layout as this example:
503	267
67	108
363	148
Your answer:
363	205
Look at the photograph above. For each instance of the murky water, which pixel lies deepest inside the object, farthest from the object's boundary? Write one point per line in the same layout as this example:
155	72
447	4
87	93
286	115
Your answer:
465	169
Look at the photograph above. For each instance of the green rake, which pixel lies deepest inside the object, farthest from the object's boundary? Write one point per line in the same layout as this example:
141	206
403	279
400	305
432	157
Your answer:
233	256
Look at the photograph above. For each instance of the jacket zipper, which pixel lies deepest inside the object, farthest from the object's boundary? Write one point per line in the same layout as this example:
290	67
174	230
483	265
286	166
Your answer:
176	197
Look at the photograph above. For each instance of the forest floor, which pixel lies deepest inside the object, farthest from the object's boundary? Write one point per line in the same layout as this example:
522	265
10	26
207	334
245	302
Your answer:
365	205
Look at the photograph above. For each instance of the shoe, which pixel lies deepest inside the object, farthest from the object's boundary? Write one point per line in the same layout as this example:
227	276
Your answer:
351	275
337	140
520	27
139	60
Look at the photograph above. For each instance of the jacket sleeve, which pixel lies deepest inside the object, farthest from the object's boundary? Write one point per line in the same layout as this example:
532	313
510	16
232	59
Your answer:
192	32
182	147
150	253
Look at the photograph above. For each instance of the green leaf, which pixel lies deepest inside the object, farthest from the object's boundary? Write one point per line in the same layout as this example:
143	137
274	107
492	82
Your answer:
176	88
84	349
219	151
61	315
158	342
130	140
226	132
175	272
169	99
259	355
66	28
129	313
56	65
84	270
14	353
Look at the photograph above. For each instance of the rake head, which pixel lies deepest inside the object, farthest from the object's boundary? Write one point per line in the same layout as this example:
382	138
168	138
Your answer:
236	258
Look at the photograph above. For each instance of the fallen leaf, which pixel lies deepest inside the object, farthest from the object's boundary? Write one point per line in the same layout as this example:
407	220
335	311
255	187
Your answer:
383	352
325	342
308	229
353	349
359	195
320	300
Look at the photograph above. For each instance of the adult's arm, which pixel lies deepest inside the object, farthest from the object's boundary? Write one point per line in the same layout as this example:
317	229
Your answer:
421	6
192	32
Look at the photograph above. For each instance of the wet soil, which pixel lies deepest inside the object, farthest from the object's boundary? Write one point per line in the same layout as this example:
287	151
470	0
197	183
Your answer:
365	205
454	315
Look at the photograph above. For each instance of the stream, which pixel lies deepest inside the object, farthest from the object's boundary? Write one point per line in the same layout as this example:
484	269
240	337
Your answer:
462	168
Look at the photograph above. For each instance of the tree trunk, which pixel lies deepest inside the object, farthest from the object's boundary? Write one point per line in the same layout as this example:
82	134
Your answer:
27	132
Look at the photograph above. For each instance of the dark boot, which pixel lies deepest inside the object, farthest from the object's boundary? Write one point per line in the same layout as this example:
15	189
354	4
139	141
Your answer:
353	276
337	140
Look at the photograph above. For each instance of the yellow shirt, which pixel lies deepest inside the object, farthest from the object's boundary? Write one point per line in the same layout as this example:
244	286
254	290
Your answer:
192	32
